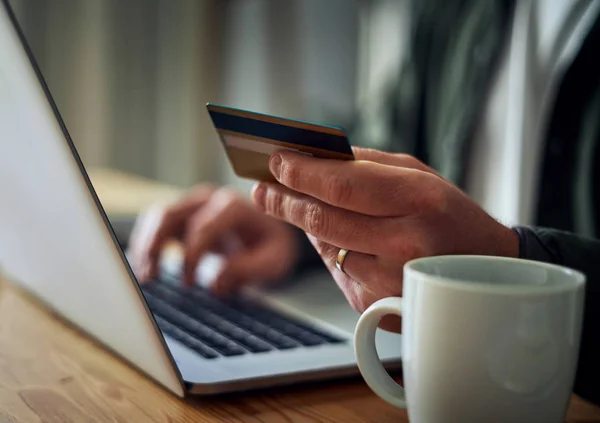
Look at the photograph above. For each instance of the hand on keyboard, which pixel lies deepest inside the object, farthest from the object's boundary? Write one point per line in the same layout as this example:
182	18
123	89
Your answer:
205	219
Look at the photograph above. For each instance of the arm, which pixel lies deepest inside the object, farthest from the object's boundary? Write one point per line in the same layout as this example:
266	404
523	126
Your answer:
582	254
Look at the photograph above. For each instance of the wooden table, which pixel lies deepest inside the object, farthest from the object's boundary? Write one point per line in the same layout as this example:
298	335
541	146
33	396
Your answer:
50	372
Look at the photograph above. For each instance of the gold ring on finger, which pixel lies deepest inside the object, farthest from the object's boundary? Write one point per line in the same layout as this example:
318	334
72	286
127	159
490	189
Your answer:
339	261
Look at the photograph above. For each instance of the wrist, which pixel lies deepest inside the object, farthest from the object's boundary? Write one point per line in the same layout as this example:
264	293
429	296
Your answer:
508	243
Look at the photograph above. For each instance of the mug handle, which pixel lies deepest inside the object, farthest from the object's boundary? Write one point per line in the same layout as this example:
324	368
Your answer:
366	352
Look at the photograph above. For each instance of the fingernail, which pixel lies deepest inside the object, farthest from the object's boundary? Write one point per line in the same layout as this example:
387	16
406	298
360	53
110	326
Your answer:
258	196
275	165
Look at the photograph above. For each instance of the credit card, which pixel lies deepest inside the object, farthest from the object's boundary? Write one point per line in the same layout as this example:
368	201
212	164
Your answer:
250	138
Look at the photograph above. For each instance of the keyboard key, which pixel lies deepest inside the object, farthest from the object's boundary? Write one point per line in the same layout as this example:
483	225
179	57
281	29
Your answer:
310	340
280	340
205	334
255	344
185	338
231	349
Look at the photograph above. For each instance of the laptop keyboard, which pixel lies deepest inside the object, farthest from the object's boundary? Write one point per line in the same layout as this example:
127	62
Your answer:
213	327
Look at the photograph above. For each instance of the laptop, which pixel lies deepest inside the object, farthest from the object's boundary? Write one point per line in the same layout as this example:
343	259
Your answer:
57	243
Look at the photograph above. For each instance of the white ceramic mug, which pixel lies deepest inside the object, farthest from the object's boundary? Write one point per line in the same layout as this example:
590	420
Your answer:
485	339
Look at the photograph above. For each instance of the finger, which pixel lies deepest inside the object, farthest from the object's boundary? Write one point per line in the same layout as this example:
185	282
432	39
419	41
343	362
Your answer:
217	219
362	186
376	274
255	266
391	159
357	269
163	225
143	230
334	225
151	231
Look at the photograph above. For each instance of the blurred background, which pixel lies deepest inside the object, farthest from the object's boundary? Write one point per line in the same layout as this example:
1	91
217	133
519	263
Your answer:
131	78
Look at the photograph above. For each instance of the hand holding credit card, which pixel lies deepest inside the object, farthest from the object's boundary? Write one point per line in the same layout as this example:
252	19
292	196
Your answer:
250	138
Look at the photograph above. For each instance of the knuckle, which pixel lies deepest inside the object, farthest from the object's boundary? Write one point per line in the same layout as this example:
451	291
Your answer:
316	222
226	197
403	247
423	194
274	203
433	196
290	174
340	189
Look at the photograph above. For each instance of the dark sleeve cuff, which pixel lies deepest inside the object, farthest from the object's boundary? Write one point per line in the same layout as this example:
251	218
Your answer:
531	247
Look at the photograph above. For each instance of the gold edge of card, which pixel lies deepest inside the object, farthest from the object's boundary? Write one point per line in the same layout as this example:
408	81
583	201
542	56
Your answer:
279	121
250	164
228	154
317	151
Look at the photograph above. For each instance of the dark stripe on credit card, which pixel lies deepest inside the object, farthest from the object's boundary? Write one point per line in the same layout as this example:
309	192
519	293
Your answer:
283	133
